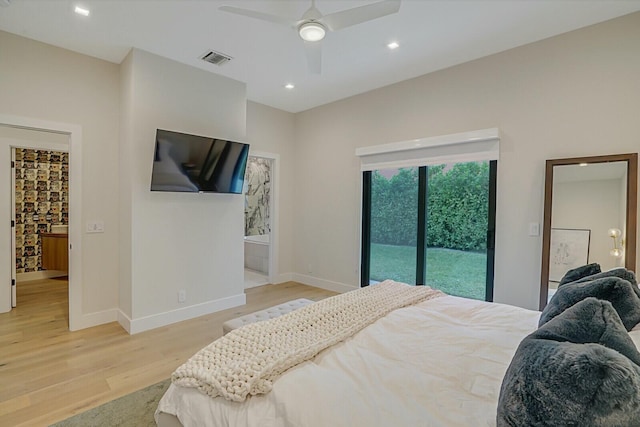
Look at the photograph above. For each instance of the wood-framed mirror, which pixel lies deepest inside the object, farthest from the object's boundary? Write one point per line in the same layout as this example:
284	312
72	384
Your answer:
590	213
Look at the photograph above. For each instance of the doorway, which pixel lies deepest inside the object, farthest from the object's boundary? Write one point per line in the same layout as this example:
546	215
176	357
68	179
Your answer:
29	133
431	225
40	183
261	219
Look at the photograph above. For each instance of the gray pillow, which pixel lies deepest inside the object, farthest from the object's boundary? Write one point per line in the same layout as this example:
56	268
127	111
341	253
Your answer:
579	369
621	293
620	272
579	273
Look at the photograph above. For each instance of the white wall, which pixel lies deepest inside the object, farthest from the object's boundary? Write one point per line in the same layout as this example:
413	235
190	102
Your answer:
178	241
45	83
591	205
271	130
573	95
577	94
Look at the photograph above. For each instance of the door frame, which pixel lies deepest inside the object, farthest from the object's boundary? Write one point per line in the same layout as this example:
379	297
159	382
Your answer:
74	148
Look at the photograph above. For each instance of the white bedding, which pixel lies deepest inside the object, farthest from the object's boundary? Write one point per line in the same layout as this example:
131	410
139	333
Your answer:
438	363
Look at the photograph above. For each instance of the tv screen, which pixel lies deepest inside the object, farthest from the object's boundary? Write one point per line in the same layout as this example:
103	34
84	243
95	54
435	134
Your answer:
191	163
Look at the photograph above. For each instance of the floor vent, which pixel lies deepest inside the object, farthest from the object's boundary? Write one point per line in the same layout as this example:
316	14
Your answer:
216	58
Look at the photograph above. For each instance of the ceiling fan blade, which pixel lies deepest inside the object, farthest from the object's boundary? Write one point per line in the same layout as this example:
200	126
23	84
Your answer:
346	18
314	56
258	15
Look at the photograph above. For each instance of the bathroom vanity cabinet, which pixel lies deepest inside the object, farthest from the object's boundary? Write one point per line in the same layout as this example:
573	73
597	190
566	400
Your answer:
55	251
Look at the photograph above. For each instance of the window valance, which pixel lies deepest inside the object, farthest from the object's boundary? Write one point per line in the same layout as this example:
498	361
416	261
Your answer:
460	147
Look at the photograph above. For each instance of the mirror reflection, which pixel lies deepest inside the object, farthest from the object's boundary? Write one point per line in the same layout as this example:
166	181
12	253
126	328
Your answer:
590	213
587	217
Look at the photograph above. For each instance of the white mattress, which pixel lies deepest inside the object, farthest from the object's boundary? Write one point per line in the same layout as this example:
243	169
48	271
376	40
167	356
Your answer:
439	363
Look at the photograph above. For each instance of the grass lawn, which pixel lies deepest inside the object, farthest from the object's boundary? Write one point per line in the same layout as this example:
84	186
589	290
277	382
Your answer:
454	272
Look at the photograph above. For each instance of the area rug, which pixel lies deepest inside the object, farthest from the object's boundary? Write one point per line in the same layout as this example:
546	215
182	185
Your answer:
133	410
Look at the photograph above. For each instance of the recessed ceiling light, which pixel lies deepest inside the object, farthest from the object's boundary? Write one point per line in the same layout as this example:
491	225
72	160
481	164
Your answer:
583	164
289	86
393	45
81	11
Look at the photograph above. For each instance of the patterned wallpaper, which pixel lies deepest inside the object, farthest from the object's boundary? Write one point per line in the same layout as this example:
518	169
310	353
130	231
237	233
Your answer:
42	188
257	196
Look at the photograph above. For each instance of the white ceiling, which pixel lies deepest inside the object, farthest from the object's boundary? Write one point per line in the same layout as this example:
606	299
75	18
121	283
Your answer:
432	34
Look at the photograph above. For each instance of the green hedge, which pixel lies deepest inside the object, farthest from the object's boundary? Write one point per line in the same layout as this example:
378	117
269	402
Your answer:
457	206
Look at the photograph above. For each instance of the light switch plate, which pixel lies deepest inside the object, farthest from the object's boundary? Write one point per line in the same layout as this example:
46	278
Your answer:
95	227
534	229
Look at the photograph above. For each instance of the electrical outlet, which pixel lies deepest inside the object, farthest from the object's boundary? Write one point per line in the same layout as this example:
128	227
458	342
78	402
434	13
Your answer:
182	295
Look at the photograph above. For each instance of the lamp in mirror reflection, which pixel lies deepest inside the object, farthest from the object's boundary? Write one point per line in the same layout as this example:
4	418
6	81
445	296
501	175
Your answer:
615	234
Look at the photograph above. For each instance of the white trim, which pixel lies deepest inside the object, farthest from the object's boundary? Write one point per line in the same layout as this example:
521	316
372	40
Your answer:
36	145
77	319
134	326
456	148
274	211
431	141
282	278
322	283
89	320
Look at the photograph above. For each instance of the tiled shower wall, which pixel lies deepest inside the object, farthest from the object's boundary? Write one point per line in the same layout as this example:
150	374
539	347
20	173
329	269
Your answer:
42	188
257	197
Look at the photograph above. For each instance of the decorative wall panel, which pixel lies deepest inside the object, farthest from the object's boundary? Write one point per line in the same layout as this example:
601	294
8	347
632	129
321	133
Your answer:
42	188
257	197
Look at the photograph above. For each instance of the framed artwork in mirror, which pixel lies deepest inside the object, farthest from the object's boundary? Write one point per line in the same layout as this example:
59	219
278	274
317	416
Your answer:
569	250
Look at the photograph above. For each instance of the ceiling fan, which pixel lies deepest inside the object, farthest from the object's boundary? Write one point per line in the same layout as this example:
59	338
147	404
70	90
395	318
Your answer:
313	25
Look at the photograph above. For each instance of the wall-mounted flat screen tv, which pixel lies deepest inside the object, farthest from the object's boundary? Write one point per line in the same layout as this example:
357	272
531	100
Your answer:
198	164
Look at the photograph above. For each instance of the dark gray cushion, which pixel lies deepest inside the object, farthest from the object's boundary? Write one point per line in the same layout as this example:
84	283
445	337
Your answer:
623	295
579	369
579	273
620	272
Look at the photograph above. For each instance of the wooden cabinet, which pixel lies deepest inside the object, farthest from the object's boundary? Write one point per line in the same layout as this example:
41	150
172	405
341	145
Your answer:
55	251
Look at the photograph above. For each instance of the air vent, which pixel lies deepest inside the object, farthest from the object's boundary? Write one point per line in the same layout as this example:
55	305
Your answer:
216	58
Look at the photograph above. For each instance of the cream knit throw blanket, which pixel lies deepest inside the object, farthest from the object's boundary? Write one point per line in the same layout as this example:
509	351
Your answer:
247	360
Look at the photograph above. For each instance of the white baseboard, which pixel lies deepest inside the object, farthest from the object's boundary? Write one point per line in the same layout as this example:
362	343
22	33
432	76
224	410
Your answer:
282	278
134	326
125	321
94	319
322	283
39	275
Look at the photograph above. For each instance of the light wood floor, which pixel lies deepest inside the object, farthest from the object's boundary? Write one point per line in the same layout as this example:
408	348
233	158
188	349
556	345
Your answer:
48	374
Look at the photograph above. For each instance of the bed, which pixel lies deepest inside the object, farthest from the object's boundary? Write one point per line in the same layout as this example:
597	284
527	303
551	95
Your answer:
440	362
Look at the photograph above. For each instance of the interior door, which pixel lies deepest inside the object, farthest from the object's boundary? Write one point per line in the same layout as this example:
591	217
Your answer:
13	227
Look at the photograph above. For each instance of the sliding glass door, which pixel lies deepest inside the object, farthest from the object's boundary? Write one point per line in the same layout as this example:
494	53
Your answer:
431	225
394	224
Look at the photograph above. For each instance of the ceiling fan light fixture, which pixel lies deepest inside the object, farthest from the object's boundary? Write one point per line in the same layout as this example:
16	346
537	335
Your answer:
312	31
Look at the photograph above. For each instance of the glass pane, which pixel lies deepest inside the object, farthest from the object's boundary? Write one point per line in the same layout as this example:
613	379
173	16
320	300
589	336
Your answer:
457	221
394	218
